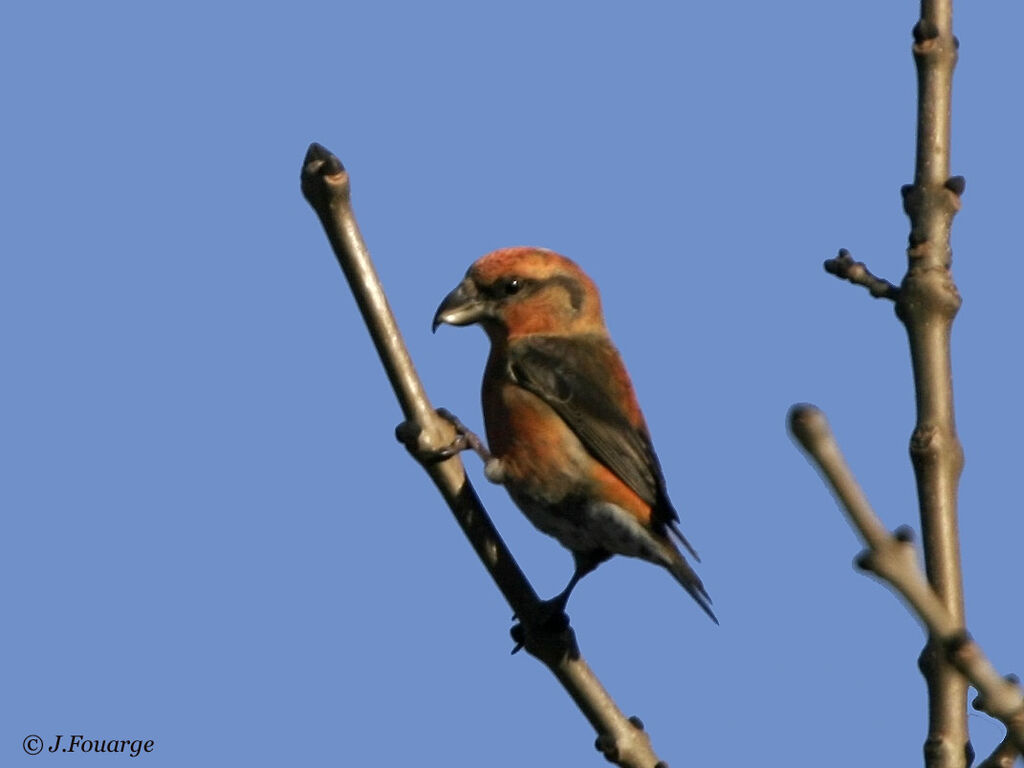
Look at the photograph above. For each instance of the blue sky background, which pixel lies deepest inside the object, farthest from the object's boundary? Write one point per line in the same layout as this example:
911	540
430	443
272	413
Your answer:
210	537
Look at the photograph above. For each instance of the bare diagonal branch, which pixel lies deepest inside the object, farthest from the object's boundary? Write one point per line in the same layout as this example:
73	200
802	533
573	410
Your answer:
892	559
325	184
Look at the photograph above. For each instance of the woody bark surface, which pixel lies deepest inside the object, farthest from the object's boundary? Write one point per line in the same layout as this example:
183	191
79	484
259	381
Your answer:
927	301
622	740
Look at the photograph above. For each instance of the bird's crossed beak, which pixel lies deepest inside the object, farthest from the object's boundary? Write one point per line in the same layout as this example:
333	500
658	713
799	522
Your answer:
463	306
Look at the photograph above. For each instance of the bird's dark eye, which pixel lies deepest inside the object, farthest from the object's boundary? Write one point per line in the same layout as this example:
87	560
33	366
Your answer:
512	285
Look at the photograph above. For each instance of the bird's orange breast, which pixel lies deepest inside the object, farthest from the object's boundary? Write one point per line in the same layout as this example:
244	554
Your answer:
541	456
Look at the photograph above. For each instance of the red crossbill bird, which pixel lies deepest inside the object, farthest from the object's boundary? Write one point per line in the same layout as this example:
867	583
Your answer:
565	433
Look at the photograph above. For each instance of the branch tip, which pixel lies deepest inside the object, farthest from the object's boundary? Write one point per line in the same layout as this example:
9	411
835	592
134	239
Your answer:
318	153
323	180
808	424
844	267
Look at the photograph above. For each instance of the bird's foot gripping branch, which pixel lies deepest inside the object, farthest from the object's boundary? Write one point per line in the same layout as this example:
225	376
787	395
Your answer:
409	433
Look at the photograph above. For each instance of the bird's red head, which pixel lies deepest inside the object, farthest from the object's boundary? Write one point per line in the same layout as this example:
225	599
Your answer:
520	291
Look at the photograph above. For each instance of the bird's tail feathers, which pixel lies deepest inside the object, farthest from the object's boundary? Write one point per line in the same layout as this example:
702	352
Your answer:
682	540
691	582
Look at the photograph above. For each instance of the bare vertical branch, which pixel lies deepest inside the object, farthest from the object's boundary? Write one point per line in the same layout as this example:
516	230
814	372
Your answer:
622	740
927	303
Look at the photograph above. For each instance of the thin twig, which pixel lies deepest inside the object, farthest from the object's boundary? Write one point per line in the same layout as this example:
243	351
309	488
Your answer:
891	557
325	184
844	267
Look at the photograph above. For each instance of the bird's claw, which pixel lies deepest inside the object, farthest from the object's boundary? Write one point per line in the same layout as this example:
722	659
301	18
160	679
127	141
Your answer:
464	436
452	419
454	448
518	637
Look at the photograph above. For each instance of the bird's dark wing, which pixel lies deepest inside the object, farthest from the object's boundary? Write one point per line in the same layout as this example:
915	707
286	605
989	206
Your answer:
583	379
